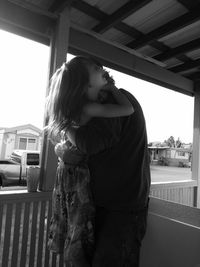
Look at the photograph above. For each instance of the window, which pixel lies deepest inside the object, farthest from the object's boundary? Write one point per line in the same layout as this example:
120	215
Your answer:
27	143
33	159
168	153
22	143
181	154
31	144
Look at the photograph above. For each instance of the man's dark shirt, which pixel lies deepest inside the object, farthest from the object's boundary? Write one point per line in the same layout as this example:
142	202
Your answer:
118	159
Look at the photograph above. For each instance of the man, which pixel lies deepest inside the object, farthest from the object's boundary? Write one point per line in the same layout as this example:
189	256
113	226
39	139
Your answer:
120	181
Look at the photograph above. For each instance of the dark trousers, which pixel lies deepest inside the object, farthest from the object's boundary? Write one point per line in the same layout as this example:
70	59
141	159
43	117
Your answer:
118	238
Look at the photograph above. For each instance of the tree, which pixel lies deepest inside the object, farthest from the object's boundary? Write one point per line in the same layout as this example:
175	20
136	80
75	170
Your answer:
178	143
170	141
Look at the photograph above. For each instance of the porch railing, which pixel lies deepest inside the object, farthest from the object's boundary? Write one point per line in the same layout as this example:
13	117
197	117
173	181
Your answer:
25	218
182	192
24	223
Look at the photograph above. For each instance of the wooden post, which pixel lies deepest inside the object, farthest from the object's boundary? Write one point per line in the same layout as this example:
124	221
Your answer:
59	48
196	144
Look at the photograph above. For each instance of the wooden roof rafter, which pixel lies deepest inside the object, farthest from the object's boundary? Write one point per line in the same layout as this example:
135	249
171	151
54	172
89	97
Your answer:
141	34
121	26
59	5
186	66
167	28
112	56
101	16
190	5
115	20
32	24
123	12
174	52
194	76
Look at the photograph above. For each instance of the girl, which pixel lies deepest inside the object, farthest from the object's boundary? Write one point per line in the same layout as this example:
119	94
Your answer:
77	91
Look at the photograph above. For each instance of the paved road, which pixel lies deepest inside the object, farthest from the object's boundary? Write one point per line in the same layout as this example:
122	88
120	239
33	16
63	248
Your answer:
158	174
166	173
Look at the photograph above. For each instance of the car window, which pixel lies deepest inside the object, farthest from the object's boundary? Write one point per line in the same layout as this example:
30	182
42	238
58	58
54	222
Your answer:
33	159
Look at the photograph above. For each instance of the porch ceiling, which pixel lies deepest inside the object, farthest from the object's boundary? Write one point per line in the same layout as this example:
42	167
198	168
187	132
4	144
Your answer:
165	33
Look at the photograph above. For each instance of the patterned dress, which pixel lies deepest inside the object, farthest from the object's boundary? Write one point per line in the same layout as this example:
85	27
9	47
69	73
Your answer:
72	229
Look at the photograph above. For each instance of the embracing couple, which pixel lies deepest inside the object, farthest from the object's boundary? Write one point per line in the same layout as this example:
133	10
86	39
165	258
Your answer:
101	192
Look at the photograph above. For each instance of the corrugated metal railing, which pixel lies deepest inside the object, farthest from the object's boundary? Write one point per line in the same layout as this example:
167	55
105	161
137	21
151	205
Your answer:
182	192
24	223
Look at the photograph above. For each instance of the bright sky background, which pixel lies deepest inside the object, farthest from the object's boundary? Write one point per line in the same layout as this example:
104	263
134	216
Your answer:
23	80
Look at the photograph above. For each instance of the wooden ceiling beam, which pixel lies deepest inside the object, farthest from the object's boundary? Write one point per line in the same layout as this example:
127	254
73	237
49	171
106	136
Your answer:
100	15
126	10
41	25
24	21
89	10
120	60
26	33
186	66
34	8
174	52
170	27
123	27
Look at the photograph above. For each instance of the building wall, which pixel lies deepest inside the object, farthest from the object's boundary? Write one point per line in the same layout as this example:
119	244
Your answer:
175	154
9	139
27	136
157	154
27	132
169	157
1	143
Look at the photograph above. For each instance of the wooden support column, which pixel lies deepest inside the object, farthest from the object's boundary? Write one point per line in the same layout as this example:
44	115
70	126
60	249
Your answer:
59	48
196	144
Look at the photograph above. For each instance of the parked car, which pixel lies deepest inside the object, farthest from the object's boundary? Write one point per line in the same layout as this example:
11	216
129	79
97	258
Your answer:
13	171
10	171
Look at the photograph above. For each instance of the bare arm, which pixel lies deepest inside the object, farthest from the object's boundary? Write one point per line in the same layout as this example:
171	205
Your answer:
123	107
96	136
107	110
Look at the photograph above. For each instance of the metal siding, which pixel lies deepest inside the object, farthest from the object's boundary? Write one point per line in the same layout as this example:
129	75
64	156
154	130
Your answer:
117	36
180	195
82	19
155	14
189	33
106	6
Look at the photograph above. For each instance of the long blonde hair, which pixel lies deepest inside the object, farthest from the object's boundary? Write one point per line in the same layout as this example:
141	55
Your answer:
67	95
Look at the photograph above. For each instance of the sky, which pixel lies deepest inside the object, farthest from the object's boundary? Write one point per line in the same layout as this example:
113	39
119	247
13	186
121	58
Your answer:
23	82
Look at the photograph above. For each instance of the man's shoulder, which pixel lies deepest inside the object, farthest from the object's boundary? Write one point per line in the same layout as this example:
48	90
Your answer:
124	91
131	97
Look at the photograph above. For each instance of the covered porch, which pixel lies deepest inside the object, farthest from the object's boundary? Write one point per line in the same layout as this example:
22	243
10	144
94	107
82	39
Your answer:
157	41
